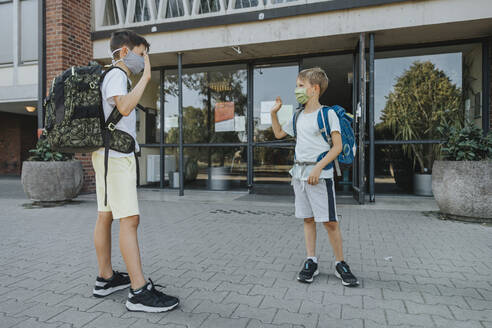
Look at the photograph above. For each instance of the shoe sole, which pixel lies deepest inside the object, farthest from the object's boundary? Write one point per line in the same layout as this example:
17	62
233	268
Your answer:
346	283
142	308
309	280
105	292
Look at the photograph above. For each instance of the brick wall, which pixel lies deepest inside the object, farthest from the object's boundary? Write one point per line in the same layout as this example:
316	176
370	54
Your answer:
68	43
17	136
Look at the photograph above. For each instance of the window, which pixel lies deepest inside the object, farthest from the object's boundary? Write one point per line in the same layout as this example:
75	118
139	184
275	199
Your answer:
29	30
6	21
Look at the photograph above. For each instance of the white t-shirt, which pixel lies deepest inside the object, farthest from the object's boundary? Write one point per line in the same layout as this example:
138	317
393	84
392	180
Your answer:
310	143
115	84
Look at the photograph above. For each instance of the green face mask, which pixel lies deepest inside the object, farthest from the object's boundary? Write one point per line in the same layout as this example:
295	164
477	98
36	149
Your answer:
301	95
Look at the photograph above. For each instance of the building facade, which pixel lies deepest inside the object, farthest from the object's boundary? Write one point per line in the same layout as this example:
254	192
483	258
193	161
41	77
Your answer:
18	82
401	67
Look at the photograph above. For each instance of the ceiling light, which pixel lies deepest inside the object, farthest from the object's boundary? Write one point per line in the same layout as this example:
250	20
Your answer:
30	109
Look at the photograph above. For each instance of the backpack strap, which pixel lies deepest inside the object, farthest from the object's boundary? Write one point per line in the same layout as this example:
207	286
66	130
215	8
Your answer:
108	126
326	132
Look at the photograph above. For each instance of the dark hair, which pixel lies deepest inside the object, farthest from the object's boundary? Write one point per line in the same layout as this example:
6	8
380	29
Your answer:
126	38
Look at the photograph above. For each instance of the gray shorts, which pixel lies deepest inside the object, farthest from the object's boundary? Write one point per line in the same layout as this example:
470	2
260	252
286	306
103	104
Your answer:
316	201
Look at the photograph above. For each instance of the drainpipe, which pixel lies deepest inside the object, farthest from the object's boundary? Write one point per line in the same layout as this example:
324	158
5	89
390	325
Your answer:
41	62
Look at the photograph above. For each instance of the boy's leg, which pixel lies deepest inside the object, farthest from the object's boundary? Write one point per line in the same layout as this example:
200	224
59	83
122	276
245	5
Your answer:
333	229
102	242
310	236
130	250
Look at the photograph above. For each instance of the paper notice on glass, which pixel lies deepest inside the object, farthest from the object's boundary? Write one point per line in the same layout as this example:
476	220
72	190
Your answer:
285	114
224	126
240	123
224	111
170	122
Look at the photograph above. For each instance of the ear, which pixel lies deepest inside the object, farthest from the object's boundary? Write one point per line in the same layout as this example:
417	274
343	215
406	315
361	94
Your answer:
124	51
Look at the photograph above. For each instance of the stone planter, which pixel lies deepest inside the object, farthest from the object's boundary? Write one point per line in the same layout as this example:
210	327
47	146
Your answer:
422	184
463	188
52	181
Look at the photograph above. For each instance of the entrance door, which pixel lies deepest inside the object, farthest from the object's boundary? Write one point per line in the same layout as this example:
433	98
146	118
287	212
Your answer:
359	104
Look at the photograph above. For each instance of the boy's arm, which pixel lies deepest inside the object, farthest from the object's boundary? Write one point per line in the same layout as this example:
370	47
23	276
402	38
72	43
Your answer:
127	103
336	138
277	128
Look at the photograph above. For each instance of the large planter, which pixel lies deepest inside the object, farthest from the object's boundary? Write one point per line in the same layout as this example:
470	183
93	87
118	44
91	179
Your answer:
422	184
463	188
52	181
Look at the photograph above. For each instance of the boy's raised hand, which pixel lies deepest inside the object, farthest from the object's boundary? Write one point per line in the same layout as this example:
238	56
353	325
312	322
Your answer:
147	73
277	106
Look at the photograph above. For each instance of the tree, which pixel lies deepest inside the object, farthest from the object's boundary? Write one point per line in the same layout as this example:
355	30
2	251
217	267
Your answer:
423	99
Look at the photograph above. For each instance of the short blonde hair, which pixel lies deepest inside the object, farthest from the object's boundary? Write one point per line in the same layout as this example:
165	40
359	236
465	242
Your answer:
315	75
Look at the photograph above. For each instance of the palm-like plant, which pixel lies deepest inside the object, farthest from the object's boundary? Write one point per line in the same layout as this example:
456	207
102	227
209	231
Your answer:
423	99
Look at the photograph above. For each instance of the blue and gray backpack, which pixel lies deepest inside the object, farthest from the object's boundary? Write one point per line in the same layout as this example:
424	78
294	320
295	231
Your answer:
346	157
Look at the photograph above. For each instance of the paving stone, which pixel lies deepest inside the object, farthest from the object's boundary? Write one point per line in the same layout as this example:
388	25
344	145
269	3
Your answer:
142	323
416	308
235	287
291	305
269	291
374	303
12	307
481	315
44	312
215	321
8	322
398	318
109	306
224	310
264	315
209	295
74	317
307	320
34	323
447	323
108	321
190	320
376	315
327	321
236	298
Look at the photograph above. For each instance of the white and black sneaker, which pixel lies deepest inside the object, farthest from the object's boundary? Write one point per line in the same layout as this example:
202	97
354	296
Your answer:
105	287
149	299
342	271
308	272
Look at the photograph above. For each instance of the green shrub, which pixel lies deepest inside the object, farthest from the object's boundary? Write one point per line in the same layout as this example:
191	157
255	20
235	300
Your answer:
43	153
466	144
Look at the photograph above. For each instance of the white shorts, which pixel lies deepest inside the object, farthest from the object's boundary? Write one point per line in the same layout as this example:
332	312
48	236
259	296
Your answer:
316	201
122	185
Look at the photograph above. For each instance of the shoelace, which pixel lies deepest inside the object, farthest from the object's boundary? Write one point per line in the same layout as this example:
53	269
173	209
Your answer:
154	290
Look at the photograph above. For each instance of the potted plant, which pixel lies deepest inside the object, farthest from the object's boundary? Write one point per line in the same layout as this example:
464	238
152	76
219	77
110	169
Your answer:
462	181
422	98
51	176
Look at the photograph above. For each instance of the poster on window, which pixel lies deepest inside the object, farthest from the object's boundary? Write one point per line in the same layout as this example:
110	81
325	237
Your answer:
284	114
224	116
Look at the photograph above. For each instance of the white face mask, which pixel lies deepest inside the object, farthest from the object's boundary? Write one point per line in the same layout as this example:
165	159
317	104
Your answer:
134	62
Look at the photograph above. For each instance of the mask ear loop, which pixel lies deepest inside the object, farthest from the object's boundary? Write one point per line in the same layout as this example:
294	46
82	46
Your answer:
113	61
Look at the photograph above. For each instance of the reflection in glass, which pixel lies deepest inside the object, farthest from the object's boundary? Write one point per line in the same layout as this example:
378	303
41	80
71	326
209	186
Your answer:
212	168
272	165
417	93
148	124
269	82
214	105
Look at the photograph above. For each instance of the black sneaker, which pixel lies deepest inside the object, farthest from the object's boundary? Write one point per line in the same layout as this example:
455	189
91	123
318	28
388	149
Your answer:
342	271
308	272
104	287
149	299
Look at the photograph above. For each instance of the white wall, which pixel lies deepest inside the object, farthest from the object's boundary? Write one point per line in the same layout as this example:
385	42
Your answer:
343	22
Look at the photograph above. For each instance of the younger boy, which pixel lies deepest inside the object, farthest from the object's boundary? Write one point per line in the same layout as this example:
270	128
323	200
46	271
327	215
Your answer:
129	52
313	185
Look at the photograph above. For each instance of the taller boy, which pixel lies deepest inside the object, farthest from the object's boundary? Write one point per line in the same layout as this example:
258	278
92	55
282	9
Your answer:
129	52
313	184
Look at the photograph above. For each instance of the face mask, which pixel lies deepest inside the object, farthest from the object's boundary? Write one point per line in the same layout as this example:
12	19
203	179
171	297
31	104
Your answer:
134	62
301	95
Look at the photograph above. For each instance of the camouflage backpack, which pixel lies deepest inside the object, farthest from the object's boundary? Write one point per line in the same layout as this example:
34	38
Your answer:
74	119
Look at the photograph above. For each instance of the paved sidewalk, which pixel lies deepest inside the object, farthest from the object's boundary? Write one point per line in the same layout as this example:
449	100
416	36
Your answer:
232	259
